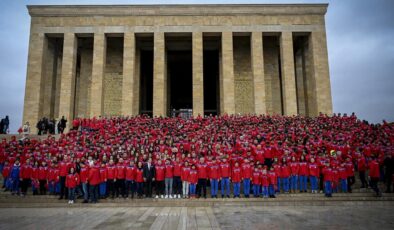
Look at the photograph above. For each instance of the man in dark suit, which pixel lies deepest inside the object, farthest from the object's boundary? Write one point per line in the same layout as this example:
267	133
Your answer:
149	177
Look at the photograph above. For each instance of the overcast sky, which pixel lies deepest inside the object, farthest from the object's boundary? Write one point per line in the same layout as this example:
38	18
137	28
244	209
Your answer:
360	38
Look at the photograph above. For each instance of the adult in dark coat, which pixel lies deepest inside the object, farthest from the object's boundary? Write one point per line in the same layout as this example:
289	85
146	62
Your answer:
149	174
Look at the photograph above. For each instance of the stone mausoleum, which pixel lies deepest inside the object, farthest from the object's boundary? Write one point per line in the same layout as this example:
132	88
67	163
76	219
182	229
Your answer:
104	60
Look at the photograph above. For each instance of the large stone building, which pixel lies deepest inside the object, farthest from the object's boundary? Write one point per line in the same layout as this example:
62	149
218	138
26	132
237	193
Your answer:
86	61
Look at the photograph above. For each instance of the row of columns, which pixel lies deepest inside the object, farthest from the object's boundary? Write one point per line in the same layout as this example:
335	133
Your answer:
130	86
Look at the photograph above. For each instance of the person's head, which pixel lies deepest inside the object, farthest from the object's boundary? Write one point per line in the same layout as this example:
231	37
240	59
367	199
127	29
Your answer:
43	163
186	164
111	161
312	160
72	170
139	164
236	164
193	166
202	159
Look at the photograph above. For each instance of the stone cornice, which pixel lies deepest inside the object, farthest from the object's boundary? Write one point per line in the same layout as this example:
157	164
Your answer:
176	10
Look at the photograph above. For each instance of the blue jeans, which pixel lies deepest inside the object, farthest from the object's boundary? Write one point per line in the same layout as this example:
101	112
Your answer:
327	188
246	187
237	186
256	190
265	191
343	185
85	191
303	183
130	187
71	193
93	190
294	182
225	182
313	180
15	185
214	187
278	184
285	185
271	190
192	189
103	189
140	187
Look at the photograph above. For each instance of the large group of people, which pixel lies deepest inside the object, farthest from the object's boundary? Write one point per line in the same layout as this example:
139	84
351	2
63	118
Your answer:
242	156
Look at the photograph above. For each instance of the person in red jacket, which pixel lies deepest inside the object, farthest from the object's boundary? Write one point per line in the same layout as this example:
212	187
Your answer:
313	174
303	174
350	174
362	168
294	170
374	175
64	167
160	176
169	179
236	179
120	185
256	182
225	176
246	176
193	179
202	169
285	175
342	177
103	181
185	171
84	174
273	181
139	179
43	177
72	180
111	178
94	181
130	179
25	176
177	185
213	170
328	178
264	182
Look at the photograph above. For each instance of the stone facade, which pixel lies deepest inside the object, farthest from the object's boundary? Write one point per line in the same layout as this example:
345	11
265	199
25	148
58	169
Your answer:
84	61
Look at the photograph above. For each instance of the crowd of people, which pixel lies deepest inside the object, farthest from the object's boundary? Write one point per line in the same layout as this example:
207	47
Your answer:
248	156
48	126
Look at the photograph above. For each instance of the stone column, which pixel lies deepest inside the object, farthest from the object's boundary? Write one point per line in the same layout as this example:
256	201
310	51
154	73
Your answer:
99	59
67	84
129	91
300	82
258	72
34	80
320	73
198	84
227	100
159	76
288	74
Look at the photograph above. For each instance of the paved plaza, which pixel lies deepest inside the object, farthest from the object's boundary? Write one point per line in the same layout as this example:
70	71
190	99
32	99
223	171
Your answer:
217	217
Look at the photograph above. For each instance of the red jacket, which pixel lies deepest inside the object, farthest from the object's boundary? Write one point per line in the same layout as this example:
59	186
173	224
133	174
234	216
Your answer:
284	171
130	173
313	170
246	171
361	164
342	173
328	175
72	180
264	180
177	169
303	171
139	175
43	173
236	175
94	175
64	167
273	179
193	176
160	172
214	171
225	170
349	169
294	168
169	171
103	175
185	172
202	170
374	169
120	171
256	178
6	171
25	171
83	174
111	172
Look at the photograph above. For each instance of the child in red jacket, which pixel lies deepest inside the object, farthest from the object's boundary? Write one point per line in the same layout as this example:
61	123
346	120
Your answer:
273	179
303	174
236	179
256	181
72	180
185	171
103	181
265	182
193	179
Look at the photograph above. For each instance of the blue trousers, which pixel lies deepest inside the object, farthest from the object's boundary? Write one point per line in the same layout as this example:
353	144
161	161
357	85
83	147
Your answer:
246	187
103	189
225	184
343	185
140	187
93	190
313	180
278	184
71	193
271	190
85	191
256	190
294	182
192	189
327	188
265	191
285	184
15	185
236	186
130	187
214	187
303	183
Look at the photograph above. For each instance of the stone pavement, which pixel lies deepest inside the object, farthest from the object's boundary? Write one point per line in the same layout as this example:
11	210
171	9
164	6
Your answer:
218	217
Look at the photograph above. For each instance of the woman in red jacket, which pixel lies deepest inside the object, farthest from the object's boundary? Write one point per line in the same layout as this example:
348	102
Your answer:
374	175
285	175
256	181
103	181
313	175
72	180
43	177
193	179
139	179
94	181
185	171
236	179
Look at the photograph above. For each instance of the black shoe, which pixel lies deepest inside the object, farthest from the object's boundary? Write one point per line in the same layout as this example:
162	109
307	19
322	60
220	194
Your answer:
222	196
85	201
60	198
228	196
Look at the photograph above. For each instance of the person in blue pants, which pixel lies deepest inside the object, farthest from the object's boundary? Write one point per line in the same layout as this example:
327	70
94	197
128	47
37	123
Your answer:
14	177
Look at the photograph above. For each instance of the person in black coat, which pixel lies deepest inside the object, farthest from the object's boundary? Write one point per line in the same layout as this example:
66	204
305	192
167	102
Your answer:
149	174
